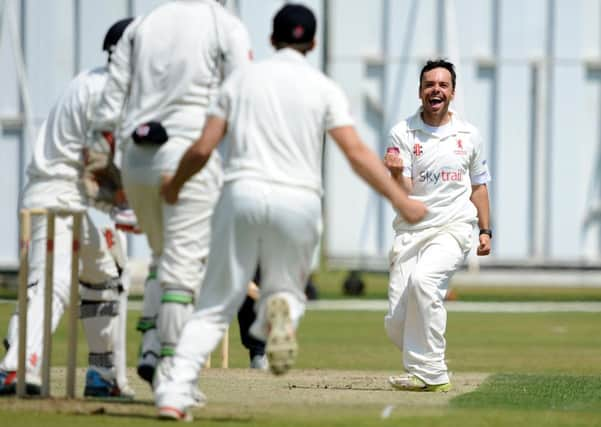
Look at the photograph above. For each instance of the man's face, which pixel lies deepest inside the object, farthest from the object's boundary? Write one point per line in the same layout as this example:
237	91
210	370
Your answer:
436	91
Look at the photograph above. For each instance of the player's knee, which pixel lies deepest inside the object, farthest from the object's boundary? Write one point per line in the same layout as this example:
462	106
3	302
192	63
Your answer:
100	299
98	312
94	309
176	308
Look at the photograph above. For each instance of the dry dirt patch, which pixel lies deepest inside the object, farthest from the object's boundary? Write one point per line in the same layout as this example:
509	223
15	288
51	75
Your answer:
242	393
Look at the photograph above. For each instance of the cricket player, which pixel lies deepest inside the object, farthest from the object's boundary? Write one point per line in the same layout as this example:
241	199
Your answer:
275	113
438	158
55	180
161	80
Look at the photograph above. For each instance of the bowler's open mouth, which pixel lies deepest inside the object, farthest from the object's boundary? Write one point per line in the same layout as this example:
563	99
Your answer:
435	101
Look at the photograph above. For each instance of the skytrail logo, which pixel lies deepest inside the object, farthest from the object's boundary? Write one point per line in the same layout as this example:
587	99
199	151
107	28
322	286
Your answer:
442	176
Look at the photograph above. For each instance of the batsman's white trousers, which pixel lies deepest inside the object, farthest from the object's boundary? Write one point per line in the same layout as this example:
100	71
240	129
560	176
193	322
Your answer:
274	225
178	234
96	263
421	265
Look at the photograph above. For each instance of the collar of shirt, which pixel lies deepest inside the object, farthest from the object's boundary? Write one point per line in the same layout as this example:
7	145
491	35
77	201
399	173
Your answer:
415	122
289	54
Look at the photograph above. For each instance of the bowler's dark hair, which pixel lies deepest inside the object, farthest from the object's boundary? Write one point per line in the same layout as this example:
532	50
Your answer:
439	63
301	47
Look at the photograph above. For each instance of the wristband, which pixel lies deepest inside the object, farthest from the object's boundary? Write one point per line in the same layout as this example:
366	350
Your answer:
486	231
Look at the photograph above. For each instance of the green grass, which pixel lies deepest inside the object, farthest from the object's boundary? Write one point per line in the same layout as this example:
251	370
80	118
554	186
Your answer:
477	342
535	392
547	367
330	284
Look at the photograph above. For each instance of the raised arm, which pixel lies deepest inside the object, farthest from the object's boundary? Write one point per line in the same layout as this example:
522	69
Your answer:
394	163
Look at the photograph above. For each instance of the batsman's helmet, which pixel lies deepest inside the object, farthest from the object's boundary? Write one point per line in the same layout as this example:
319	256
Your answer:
114	34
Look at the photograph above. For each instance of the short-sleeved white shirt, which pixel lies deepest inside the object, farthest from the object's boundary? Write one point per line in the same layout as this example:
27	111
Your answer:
277	112
443	166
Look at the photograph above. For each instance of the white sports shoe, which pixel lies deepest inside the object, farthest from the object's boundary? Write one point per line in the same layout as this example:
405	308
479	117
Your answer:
177	407
127	392
409	382
281	345
259	362
200	400
174	414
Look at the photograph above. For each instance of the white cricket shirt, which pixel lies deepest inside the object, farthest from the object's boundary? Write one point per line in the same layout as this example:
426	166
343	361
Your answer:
168	66
443	163
278	111
58	151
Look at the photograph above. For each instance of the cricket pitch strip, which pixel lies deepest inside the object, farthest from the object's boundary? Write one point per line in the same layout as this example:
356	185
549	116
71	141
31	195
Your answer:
243	394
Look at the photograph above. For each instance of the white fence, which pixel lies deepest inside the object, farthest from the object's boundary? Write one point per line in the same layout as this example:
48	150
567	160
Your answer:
529	76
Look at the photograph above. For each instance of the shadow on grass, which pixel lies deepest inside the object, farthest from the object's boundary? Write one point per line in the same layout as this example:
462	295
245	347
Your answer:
153	417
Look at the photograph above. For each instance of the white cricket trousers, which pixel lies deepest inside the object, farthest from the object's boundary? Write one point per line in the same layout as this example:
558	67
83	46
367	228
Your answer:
421	266
178	234
96	263
274	225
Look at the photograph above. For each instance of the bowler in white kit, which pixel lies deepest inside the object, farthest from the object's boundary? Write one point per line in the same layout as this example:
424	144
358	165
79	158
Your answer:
275	113
438	158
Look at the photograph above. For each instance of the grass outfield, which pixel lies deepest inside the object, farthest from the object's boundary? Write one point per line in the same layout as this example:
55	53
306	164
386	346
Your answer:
330	283
509	369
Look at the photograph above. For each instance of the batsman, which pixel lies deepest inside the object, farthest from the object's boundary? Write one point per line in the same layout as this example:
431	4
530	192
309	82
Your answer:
72	170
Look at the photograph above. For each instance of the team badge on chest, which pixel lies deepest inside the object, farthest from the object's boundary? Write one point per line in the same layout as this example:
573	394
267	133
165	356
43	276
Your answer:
417	150
459	148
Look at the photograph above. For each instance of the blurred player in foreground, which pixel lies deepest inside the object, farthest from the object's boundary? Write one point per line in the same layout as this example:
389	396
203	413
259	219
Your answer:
164	74
438	158
275	113
59	178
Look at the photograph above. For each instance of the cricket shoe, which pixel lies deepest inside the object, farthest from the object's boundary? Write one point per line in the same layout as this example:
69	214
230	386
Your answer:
281	345
409	382
199	398
172	407
8	384
172	413
126	392
98	386
147	364
259	362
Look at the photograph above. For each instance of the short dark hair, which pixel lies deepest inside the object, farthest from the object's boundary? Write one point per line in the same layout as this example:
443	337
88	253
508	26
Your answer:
439	63
301	47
